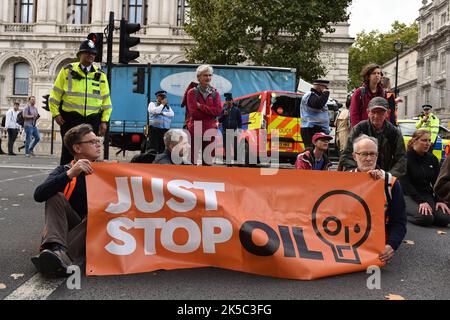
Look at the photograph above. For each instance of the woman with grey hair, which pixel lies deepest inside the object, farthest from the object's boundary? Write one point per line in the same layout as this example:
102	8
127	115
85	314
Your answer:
203	106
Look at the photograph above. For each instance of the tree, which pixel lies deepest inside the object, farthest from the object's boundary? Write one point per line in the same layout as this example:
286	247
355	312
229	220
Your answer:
279	33
378	48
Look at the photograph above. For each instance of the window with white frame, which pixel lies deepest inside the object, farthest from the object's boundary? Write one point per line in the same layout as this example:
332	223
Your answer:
443	18
427	96
25	11
429	27
78	11
182	13
442	97
443	58
21	79
135	11
427	68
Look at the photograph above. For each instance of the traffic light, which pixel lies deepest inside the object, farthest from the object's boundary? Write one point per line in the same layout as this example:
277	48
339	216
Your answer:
45	102
97	39
139	80
126	42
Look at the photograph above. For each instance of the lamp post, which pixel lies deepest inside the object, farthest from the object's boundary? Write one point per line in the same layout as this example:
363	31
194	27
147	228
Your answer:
398	46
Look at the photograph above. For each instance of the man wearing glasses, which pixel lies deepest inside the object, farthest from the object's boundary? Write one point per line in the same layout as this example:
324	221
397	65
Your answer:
391	148
64	194
365	155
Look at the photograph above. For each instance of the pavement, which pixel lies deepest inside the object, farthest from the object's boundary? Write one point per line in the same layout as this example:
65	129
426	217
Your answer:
417	271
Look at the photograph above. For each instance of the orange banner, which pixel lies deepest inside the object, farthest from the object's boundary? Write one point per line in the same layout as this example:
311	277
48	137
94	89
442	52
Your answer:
294	224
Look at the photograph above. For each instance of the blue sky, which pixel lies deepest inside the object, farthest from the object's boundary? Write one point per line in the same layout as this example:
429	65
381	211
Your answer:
369	15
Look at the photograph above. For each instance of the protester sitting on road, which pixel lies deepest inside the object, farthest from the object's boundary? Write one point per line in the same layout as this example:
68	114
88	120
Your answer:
316	158
423	207
64	193
365	154
177	148
442	186
390	140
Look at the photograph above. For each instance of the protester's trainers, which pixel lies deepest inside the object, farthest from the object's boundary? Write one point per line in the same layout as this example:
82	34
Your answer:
35	261
54	263
32	153
27	155
11	154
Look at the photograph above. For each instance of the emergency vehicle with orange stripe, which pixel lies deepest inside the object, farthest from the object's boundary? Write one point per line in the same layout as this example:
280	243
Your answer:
276	112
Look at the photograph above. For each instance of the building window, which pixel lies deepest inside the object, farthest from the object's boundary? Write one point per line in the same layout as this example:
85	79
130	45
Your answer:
427	96
78	11
24	11
405	71
429	27
135	11
428	68
405	102
443	18
443	61
21	77
182	13
442	97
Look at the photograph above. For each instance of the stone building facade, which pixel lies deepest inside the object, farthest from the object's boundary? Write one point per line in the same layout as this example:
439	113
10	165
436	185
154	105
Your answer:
38	37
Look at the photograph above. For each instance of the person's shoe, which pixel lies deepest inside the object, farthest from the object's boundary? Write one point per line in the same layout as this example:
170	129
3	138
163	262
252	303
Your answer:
35	261
1	152
12	154
32	154
54	263
27	155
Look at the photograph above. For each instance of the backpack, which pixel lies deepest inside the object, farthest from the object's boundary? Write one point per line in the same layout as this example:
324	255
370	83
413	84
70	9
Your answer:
4	121
20	120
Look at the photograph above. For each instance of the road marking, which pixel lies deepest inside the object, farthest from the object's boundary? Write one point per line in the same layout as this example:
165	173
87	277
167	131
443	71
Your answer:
36	288
25	177
42	167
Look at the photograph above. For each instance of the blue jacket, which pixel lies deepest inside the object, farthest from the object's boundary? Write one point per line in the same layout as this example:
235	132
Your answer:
233	120
314	110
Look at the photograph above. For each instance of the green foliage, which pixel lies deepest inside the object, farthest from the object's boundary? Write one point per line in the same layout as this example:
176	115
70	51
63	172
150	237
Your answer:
234	31
378	48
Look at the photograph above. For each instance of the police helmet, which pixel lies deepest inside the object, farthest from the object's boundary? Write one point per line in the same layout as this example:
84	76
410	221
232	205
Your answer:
87	46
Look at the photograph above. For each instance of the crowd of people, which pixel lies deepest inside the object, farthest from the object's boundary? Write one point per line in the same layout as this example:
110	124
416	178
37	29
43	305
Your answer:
416	187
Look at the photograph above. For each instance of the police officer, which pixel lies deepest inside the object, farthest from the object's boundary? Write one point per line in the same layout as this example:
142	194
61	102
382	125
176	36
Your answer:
160	118
428	121
231	121
314	112
80	94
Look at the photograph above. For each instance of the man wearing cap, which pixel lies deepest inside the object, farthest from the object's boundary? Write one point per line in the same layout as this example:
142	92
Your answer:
391	148
231	121
314	112
80	94
428	121
160	118
315	159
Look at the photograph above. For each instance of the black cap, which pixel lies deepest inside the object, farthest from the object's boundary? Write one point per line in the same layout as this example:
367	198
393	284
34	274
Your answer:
378	103
161	92
87	46
427	106
228	96
322	82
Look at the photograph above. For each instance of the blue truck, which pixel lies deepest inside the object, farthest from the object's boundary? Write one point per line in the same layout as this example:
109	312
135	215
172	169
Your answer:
129	118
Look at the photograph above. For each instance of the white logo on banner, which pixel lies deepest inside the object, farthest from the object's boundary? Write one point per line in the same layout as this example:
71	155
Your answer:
177	83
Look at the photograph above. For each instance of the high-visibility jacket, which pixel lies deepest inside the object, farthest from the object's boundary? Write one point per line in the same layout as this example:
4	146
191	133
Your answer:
85	94
432	125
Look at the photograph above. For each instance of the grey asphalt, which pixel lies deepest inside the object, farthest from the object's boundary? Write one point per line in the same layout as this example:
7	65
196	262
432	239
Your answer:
419	271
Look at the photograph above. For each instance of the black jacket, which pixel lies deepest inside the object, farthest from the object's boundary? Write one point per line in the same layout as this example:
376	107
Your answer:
233	120
421	175
391	148
57	182
165	158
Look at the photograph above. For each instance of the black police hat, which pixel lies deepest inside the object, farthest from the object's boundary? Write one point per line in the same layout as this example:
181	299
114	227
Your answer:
228	96
322	82
161	92
427	106
87	46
